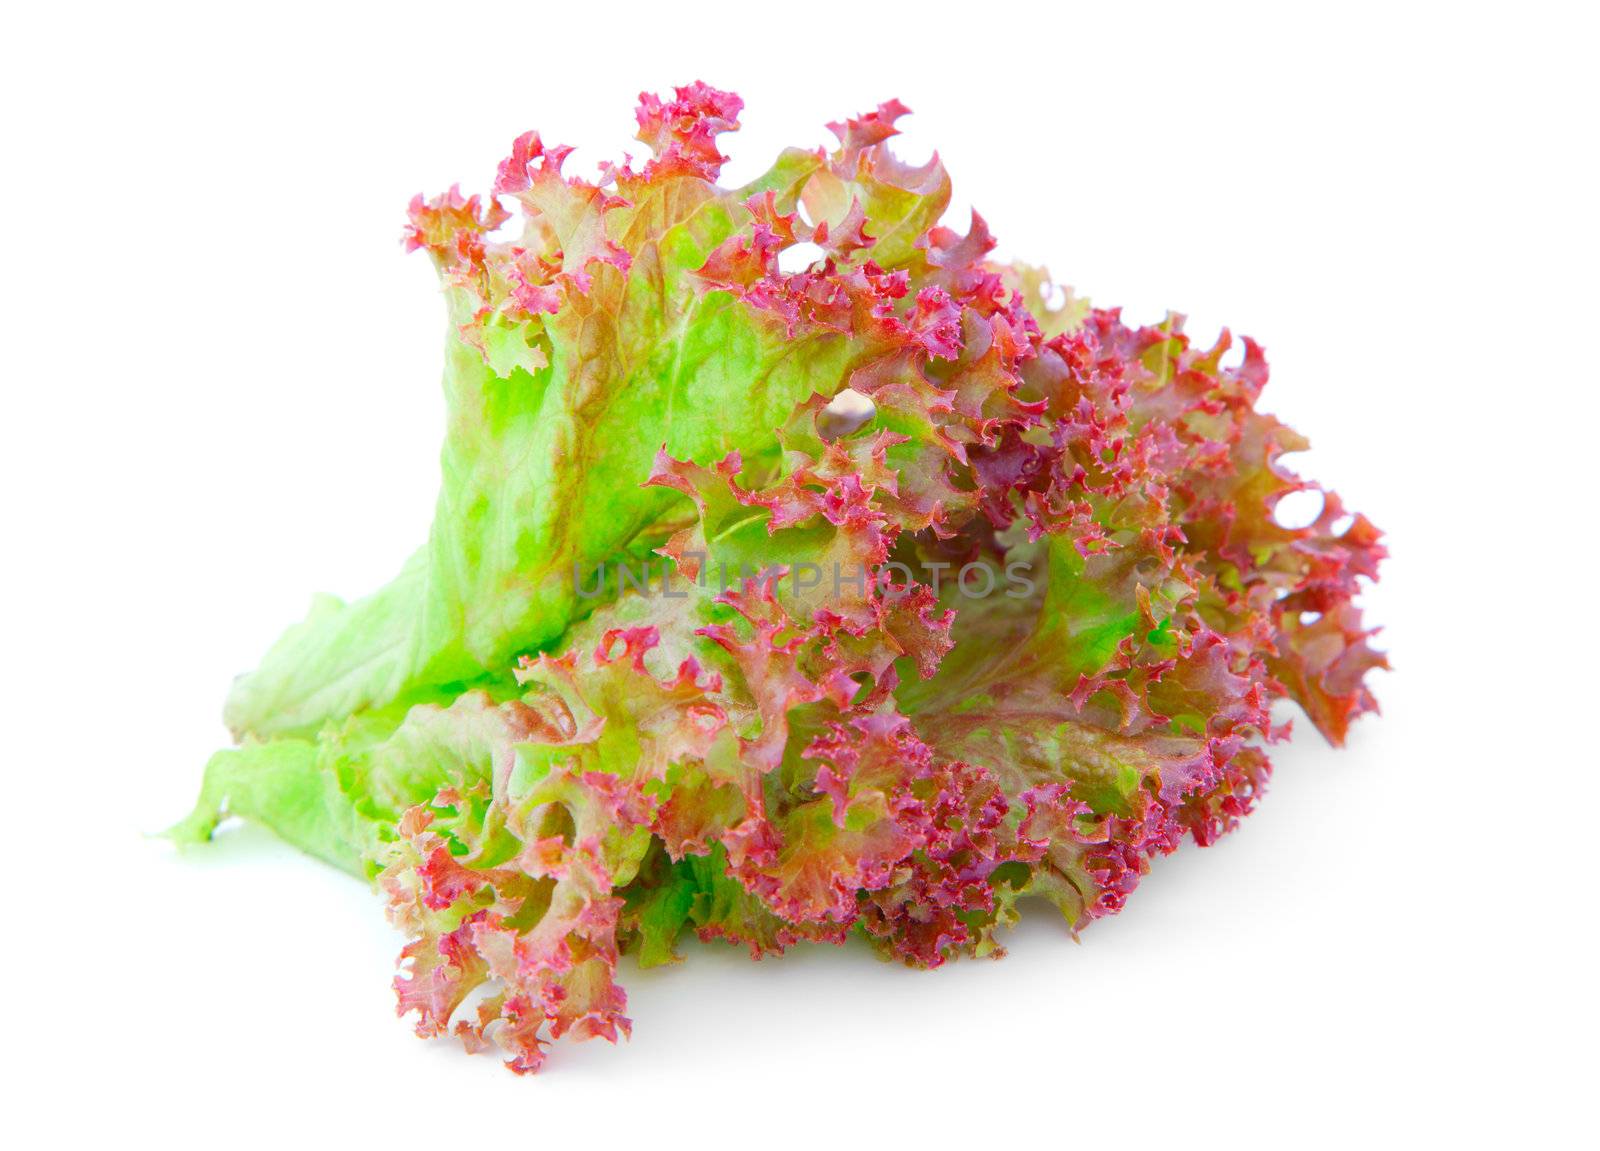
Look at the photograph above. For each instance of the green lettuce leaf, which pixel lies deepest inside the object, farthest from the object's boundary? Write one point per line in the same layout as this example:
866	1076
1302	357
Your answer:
574	352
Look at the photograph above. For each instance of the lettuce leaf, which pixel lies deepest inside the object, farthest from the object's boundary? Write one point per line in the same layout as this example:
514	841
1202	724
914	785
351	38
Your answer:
776	607
573	352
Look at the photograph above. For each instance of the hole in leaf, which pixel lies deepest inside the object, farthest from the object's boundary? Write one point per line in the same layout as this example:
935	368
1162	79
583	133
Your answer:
847	412
1298	509
798	257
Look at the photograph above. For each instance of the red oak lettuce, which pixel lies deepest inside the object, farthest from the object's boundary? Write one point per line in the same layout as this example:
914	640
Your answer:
694	648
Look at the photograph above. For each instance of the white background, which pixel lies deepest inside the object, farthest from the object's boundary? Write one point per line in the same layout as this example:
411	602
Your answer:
220	396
